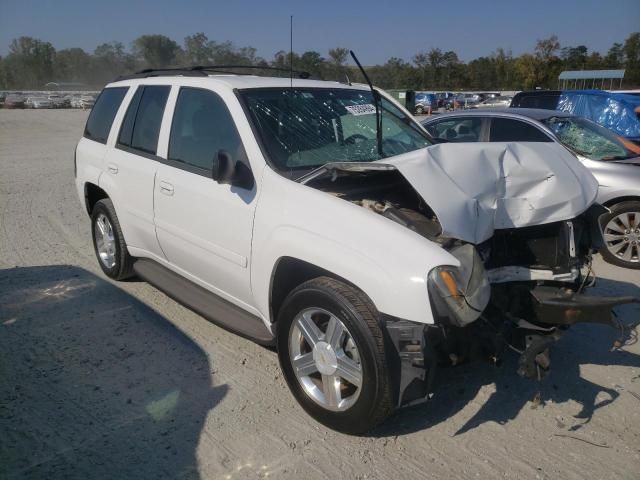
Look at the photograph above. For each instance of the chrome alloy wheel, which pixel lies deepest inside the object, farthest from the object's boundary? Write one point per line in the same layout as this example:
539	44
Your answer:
325	359
622	236
105	241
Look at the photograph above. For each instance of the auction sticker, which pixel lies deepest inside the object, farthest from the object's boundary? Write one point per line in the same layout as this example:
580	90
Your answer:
363	109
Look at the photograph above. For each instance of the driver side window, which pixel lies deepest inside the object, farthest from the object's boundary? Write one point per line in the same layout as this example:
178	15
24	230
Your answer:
457	130
202	126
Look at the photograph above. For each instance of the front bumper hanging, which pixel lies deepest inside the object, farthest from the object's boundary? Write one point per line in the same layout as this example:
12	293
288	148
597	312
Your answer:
415	349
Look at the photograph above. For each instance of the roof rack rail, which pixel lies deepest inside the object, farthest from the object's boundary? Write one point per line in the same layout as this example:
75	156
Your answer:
203	70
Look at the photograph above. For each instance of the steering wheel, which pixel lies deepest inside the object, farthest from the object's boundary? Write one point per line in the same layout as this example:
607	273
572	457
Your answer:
355	138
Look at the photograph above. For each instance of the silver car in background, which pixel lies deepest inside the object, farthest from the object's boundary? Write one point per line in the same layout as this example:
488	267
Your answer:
614	161
495	102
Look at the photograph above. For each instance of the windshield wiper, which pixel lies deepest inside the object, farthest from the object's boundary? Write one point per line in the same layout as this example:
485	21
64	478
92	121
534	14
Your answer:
376	102
618	157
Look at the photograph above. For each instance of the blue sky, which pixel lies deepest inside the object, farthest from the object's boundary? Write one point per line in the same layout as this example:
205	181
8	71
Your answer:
376	30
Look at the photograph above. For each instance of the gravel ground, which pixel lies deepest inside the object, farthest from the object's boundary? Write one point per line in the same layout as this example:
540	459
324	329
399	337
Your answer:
115	380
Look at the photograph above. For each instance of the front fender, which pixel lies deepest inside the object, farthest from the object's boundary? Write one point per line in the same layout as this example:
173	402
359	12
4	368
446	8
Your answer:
386	261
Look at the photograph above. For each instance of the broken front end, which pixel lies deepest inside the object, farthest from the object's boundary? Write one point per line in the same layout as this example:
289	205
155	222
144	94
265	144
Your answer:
525	257
519	290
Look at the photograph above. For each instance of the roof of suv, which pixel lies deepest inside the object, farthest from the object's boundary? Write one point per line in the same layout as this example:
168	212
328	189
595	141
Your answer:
238	81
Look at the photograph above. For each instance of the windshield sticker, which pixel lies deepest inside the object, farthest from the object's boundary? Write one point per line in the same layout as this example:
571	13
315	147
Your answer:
363	109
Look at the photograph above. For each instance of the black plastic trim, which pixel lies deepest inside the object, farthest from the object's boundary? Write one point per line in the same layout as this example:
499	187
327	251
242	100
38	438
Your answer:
205	303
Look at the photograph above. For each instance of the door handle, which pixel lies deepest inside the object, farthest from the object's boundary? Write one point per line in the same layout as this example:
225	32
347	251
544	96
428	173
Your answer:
166	188
112	168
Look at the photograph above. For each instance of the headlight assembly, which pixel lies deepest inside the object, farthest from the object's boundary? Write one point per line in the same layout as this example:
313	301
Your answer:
459	294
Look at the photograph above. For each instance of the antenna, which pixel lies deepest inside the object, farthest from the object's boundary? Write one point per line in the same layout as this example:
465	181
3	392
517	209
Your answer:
376	102
291	50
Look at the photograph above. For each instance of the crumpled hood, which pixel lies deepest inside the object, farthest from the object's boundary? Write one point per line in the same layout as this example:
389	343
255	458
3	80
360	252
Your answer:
475	189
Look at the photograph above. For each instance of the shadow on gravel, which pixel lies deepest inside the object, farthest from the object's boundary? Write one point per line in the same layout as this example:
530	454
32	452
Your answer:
93	383
582	344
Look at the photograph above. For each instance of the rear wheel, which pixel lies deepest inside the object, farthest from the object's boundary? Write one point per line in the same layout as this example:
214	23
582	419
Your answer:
108	241
331	351
621	229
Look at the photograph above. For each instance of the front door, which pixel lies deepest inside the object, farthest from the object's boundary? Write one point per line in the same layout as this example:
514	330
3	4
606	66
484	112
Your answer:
205	228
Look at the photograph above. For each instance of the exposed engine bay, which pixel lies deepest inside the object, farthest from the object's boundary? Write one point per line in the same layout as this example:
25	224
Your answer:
520	289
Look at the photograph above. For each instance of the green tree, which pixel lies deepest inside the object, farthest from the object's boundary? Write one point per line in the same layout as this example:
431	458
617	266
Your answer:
110	60
156	51
197	50
72	65
313	63
29	63
435	58
615	56
338	56
631	51
421	61
574	58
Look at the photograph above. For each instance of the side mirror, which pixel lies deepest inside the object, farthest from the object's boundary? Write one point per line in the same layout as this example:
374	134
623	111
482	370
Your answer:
224	167
227	170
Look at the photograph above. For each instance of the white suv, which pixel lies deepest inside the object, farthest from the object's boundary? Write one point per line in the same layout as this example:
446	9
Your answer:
319	217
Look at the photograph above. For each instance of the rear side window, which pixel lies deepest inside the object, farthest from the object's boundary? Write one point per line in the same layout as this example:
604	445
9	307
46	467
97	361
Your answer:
465	129
507	130
141	125
546	102
103	112
202	126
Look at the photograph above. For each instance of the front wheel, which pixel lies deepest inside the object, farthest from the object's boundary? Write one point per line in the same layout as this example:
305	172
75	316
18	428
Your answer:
331	352
621	229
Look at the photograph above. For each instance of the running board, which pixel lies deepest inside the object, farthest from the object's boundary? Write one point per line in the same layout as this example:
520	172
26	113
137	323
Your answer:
205	303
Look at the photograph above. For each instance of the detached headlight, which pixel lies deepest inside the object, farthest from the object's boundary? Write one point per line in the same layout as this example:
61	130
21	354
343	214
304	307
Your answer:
460	294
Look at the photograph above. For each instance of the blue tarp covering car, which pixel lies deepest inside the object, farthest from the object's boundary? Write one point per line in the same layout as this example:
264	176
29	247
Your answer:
615	111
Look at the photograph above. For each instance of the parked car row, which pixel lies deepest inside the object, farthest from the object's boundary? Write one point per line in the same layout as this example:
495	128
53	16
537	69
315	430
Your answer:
432	101
13	100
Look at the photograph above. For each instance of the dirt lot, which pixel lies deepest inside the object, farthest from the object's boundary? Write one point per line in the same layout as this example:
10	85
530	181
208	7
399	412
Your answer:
106	380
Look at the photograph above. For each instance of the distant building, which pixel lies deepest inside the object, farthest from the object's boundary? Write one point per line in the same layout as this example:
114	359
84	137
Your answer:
580	79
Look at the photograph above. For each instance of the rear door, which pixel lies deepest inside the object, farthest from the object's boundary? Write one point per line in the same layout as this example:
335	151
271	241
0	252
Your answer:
204	227
131	168
92	148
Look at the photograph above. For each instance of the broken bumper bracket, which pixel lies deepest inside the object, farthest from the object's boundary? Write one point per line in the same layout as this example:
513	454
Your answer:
558	307
555	306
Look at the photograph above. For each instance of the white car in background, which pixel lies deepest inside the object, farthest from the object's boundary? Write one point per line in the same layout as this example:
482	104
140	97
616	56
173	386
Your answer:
319	217
86	102
495	102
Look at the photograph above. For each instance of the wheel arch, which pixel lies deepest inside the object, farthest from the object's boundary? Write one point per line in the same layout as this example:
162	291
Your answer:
627	198
92	194
289	272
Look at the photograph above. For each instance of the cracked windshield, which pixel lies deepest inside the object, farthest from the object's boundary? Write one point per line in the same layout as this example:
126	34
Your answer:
588	139
303	129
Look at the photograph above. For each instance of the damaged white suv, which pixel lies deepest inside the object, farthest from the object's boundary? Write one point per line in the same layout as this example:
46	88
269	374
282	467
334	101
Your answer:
320	217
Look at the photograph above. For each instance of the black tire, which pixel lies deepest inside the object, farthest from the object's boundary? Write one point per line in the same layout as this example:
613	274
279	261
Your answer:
356	311
419	110
123	267
612	255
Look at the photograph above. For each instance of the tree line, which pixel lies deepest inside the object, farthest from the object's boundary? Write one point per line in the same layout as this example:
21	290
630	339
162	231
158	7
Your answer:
31	63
